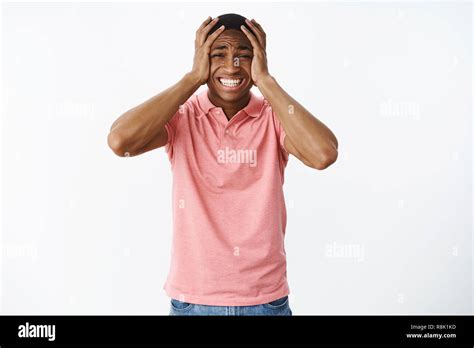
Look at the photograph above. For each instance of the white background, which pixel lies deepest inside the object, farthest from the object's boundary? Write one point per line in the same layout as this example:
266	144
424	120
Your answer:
387	229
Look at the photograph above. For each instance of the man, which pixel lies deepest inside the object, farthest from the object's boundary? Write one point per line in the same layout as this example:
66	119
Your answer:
228	150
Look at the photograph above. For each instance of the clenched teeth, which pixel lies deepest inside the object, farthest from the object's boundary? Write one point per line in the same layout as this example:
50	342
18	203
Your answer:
230	82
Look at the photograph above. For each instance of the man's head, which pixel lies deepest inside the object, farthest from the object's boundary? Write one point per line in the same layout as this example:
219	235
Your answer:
230	60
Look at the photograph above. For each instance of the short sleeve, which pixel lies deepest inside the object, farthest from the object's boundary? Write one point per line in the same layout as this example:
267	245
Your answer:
280	133
172	128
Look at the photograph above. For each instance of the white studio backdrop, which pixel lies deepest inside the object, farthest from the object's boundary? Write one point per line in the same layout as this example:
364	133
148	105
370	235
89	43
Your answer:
386	230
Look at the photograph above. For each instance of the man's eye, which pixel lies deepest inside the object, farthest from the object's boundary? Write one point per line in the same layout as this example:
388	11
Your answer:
245	56
217	55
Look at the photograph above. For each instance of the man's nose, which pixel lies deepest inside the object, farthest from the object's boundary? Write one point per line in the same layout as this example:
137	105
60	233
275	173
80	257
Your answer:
232	64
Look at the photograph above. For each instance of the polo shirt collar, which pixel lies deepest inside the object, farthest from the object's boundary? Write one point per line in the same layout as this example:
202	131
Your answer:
253	108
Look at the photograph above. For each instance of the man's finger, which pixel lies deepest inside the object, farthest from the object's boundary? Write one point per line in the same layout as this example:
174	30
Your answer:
258	26
198	31
206	21
251	37
263	32
206	30
210	39
257	32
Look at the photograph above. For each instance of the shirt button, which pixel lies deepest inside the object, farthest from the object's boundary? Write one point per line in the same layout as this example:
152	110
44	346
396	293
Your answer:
226	131
218	112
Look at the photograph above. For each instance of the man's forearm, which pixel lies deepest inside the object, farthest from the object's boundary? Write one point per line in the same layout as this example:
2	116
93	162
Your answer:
313	141
138	126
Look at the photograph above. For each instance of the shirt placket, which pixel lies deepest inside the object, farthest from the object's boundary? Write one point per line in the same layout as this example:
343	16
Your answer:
226	125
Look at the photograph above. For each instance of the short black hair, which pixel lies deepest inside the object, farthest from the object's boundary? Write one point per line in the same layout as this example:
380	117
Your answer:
230	21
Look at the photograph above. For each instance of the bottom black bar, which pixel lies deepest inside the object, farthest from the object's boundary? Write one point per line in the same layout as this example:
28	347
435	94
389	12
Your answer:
452	331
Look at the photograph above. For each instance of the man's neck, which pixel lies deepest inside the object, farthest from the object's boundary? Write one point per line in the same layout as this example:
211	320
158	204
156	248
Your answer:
230	109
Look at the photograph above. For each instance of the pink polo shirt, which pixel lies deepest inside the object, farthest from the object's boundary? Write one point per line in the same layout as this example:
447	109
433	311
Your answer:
229	212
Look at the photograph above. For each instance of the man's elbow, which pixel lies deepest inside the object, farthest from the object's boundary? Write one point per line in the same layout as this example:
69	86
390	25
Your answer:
324	159
117	144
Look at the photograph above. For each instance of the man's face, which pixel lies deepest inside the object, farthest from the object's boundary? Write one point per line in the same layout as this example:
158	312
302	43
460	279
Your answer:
230	61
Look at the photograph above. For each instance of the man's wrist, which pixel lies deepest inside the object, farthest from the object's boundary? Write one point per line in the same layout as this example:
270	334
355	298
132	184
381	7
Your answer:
192	79
265	81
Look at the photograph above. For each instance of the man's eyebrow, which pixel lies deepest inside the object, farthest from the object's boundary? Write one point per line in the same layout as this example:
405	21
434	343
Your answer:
241	48
219	48
244	48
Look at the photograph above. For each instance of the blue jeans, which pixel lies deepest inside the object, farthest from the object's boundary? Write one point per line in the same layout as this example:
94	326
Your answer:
277	307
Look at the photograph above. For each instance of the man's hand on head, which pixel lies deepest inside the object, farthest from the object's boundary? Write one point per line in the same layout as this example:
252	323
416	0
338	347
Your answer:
259	66
202	47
